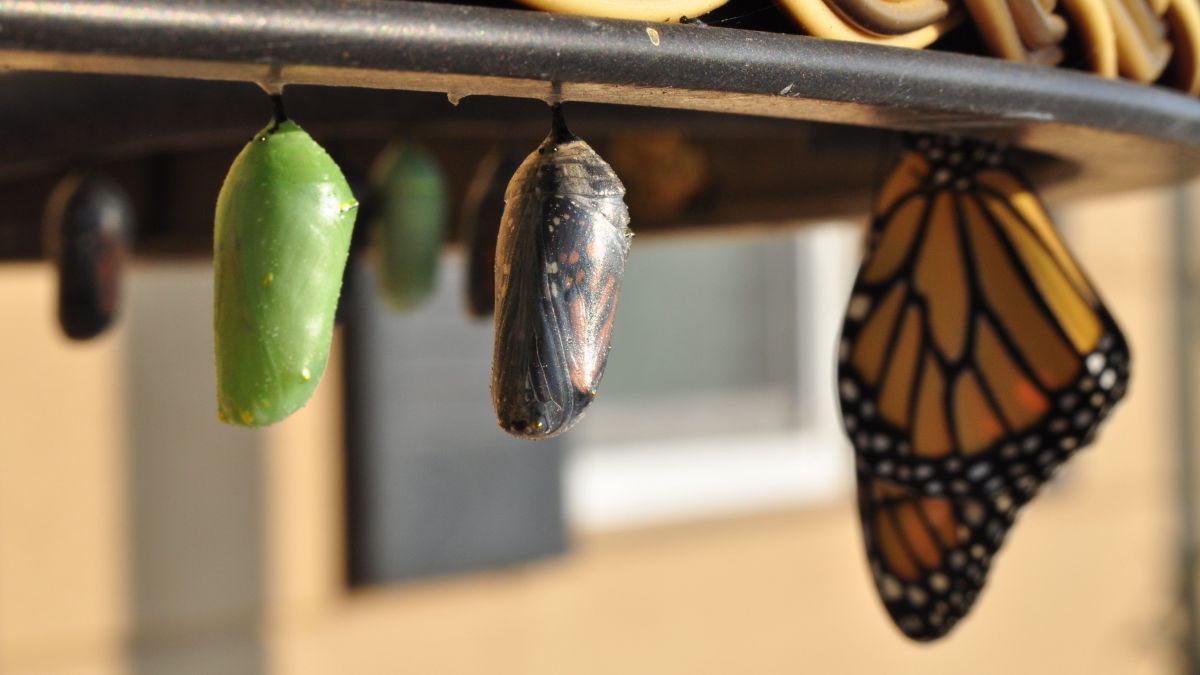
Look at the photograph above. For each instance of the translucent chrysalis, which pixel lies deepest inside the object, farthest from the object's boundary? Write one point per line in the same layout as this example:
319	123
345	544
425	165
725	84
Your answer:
559	260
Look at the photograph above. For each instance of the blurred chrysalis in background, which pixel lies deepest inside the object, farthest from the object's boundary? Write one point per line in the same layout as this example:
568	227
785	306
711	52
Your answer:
409	227
89	225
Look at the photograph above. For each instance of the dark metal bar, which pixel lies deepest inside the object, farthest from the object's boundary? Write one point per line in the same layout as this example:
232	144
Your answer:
1108	135
1104	126
170	142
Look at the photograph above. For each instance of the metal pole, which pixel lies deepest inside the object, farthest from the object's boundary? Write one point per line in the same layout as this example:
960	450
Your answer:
462	50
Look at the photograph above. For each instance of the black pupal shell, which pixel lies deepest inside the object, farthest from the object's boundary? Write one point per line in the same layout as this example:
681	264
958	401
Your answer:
559	259
88	223
483	210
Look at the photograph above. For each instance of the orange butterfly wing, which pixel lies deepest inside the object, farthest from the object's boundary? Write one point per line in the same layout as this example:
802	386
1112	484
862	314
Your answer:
929	556
975	358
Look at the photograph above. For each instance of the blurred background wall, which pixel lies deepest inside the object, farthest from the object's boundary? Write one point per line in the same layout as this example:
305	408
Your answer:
707	496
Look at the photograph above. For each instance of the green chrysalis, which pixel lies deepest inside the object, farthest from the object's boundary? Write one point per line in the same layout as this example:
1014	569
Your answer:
283	224
410	224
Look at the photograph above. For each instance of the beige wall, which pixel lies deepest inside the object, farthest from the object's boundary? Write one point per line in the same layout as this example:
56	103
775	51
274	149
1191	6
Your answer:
62	434
185	547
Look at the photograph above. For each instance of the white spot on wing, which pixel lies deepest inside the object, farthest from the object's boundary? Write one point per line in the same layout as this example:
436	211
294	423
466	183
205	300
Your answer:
1107	379
858	307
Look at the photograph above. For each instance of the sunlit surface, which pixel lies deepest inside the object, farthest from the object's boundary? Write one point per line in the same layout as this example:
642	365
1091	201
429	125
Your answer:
138	535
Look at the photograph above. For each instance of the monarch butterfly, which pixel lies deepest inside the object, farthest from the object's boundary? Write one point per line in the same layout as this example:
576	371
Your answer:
975	358
282	232
410	226
482	211
89	223
559	259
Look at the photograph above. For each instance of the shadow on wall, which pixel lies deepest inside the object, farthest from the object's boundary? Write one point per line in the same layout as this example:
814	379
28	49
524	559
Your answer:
195	492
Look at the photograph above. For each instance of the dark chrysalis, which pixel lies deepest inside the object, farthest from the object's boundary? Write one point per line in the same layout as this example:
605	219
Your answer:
89	224
482	211
559	259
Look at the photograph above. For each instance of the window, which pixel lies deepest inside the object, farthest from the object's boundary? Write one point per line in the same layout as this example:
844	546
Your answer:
719	392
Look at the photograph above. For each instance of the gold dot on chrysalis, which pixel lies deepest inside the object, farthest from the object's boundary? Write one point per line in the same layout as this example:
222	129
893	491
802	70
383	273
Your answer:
266	403
538	425
268	279
221	416
306	374
247	417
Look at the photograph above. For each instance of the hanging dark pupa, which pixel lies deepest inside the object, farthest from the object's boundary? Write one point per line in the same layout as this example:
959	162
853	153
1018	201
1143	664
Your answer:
483	209
410	224
559	259
89	224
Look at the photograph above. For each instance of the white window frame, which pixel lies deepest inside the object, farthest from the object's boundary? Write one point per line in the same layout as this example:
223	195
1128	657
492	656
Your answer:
630	484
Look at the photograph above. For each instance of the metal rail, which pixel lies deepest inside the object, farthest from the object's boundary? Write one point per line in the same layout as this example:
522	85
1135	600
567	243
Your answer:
1120	134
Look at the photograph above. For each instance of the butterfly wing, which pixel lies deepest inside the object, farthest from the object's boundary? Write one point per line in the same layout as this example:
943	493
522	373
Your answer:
976	356
929	556
973	343
584	260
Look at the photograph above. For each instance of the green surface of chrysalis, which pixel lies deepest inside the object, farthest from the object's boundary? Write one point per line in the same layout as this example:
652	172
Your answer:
410	224
283	224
